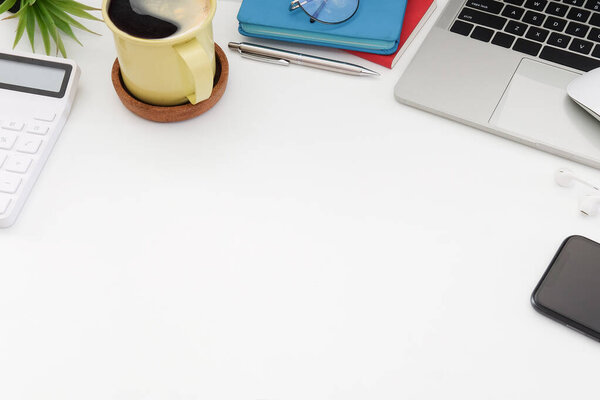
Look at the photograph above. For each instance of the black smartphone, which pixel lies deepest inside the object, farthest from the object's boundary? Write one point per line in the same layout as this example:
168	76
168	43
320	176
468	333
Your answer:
569	291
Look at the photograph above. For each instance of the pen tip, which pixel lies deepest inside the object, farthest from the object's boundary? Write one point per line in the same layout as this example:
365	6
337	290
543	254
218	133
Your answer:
369	72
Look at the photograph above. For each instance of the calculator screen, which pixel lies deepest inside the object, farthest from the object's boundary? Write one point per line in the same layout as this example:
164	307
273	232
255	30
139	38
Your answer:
35	76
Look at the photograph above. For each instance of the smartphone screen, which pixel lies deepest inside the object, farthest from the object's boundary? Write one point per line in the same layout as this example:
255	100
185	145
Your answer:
569	291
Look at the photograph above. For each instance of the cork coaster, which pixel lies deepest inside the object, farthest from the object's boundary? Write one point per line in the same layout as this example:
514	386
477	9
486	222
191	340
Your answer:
174	113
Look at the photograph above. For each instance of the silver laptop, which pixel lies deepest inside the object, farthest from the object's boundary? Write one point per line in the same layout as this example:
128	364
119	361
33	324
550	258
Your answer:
503	66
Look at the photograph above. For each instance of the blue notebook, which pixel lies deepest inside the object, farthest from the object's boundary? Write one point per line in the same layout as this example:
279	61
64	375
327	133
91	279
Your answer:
375	28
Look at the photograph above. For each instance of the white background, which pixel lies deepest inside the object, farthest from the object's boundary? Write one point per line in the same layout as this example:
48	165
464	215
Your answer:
308	238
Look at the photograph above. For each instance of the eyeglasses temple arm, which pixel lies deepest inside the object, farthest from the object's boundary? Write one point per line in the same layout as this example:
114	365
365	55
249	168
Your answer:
316	14
296	4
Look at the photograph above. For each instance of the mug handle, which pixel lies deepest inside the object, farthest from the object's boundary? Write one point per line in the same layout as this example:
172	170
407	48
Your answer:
199	65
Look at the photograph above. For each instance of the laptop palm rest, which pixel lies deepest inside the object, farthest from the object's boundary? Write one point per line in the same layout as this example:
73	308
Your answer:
536	108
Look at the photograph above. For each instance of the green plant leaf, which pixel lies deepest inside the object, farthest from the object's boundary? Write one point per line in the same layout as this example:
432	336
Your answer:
63	26
21	11
60	14
45	16
79	5
60	47
31	27
73	9
43	30
20	28
52	17
7	5
60	44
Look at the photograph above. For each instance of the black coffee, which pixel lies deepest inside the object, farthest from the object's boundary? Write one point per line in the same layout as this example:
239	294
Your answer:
142	26
157	19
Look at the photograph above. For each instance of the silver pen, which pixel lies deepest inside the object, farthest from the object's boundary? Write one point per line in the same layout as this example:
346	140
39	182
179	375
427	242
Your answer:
284	57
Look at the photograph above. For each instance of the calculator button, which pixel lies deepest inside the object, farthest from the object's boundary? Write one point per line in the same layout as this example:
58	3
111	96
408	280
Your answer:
29	144
9	183
18	163
13	126
38	129
7	140
4	203
45	116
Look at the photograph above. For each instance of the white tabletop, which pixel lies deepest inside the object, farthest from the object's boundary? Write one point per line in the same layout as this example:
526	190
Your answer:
308	238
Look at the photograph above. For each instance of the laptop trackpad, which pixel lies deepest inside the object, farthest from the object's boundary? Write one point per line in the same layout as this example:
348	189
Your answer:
536	107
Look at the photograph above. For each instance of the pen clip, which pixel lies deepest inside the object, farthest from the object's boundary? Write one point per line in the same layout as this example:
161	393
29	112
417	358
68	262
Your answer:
267	59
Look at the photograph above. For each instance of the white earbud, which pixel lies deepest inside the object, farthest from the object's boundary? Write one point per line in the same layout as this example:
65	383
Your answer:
589	205
566	178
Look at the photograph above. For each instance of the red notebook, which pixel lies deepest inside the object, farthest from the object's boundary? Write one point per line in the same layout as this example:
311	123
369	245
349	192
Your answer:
417	13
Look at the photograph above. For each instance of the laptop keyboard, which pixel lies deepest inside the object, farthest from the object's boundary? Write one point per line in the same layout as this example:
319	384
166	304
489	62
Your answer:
567	32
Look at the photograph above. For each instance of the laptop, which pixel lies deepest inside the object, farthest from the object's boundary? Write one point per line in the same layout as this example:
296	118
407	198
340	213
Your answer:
503	66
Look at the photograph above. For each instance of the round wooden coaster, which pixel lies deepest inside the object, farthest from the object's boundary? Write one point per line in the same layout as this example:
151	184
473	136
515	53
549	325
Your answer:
174	113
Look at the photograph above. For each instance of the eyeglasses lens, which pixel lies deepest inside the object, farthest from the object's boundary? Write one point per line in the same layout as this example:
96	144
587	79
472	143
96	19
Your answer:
330	11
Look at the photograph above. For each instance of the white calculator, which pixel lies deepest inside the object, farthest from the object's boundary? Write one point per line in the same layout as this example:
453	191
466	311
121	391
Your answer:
36	94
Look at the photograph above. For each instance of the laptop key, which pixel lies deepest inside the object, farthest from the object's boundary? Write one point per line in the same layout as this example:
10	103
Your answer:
596	52
527	47
537	34
503	40
534	18
537	5
581	46
513	12
480	18
462	28
595	20
515	2
558	40
578	14
593	5
516	28
594	35
557	9
490	6
569	59
483	34
556	24
576	29
577	3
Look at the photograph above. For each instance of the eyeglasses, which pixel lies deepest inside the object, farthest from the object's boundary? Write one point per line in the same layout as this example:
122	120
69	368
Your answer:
327	11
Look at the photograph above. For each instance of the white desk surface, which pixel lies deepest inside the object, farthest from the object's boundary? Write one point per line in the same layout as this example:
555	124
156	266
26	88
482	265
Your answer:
308	238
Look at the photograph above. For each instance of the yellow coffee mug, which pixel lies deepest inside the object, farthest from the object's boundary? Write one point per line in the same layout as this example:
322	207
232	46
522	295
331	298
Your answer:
168	71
